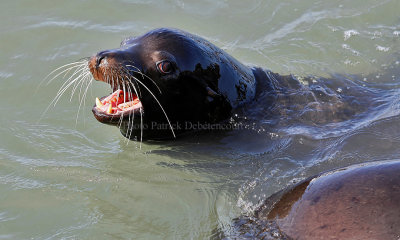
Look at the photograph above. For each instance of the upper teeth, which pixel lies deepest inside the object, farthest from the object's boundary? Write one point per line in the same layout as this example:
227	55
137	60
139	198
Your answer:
98	103
109	110
114	103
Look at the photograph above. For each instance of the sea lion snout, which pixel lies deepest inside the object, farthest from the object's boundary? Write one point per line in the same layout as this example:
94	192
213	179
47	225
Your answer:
98	59
104	62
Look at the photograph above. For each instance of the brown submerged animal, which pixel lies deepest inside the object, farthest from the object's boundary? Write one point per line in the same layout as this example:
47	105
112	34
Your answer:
357	203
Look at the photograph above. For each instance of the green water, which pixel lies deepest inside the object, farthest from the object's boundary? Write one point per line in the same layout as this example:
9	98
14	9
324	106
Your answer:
63	175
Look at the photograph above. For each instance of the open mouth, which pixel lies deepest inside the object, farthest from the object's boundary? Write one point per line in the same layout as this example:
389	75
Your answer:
116	105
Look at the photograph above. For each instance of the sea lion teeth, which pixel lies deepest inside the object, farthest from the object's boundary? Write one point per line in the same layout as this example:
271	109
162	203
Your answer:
109	110
98	103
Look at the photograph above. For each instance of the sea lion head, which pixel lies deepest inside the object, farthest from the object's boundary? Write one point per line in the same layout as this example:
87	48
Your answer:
167	80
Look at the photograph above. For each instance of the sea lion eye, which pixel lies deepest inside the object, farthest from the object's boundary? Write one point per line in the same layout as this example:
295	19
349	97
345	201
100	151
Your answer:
164	67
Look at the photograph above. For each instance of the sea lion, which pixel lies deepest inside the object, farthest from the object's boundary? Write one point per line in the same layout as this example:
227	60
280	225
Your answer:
357	202
166	81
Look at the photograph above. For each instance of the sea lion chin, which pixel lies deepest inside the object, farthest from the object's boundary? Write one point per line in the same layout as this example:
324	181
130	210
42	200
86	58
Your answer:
168	77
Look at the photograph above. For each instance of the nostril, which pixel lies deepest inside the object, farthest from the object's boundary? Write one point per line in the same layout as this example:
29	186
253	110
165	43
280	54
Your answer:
99	59
101	56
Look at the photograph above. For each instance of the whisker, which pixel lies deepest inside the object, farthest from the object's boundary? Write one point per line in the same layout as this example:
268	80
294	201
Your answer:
68	81
112	79
87	77
143	75
74	65
122	115
138	94
62	91
80	68
130	122
129	99
141	113
64	66
158	102
83	73
123	87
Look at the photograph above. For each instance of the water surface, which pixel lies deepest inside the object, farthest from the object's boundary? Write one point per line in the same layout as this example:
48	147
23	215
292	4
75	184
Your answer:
63	175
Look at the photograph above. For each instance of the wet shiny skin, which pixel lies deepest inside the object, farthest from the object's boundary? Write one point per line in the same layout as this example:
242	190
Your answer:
358	202
69	176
